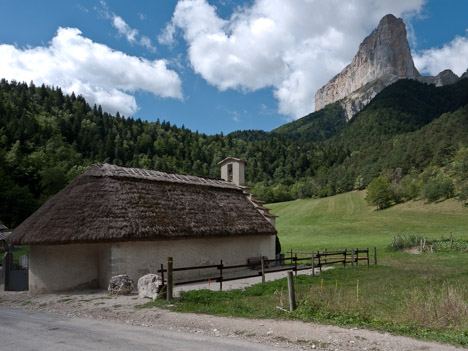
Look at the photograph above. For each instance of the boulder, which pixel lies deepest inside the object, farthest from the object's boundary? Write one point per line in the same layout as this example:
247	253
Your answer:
120	285
149	286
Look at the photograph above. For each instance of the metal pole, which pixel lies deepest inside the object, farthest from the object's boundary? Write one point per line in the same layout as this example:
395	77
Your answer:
170	278
292	295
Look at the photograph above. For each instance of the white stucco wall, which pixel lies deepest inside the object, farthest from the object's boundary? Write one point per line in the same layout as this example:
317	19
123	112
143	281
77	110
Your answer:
67	267
139	258
104	262
63	267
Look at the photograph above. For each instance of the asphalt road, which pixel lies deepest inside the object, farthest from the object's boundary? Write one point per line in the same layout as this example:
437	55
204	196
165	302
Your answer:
25	330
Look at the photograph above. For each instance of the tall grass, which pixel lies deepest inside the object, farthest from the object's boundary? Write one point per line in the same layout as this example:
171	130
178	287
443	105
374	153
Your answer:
438	307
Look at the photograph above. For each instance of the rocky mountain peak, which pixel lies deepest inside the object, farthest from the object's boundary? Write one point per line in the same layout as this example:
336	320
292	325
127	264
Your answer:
383	58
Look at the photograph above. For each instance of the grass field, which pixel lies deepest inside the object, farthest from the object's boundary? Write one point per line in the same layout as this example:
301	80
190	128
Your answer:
420	295
345	221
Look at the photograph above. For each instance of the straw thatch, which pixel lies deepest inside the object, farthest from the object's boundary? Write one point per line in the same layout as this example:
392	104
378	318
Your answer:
110	203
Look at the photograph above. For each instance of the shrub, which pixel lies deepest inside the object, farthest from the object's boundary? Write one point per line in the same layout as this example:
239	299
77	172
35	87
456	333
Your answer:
438	188
463	195
379	193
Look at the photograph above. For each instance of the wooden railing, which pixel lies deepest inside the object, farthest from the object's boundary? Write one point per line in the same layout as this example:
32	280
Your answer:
315	260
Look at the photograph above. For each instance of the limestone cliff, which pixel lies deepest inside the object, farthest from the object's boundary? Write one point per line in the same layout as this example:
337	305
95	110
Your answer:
383	58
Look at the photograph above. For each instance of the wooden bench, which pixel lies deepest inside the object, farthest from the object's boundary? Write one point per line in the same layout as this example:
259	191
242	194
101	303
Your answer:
256	262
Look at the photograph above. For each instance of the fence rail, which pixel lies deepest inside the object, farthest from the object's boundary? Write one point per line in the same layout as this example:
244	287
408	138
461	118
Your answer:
316	260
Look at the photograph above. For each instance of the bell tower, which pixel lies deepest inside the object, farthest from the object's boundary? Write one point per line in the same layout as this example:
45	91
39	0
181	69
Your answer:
232	170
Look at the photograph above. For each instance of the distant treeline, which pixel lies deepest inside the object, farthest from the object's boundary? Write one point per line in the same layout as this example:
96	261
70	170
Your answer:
48	138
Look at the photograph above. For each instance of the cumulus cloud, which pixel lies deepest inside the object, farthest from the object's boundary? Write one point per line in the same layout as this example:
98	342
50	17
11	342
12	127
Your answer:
453	55
102	75
294	47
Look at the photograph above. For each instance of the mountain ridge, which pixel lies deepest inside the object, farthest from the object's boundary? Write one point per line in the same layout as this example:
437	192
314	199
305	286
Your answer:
383	58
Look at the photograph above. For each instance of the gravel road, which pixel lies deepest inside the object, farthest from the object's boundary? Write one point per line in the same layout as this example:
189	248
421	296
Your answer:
30	331
294	335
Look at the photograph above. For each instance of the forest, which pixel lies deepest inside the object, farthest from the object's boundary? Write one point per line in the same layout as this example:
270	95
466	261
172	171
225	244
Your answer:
47	138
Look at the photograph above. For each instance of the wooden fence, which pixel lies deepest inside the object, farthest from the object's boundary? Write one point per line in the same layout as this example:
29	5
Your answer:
346	257
315	260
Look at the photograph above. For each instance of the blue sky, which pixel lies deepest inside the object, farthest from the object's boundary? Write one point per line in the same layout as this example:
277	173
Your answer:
212	65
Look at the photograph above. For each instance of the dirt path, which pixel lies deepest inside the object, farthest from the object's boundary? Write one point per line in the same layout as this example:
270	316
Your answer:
290	334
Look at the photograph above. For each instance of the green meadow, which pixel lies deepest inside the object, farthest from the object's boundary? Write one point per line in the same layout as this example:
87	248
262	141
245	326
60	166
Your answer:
345	221
423	295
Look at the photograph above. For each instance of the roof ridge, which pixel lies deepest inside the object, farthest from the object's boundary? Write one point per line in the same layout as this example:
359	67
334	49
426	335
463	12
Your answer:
115	171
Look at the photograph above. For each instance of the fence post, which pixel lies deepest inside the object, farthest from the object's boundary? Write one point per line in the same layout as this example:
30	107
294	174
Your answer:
170	278
320	264
313	268
162	273
375	255
221	276
263	270
357	256
7	266
344	254
367	257
451	241
292	295
352	257
295	264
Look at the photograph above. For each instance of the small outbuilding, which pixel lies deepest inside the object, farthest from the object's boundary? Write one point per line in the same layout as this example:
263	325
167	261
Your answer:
115	220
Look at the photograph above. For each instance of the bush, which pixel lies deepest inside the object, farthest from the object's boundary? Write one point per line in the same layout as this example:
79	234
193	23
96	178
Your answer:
438	188
410	187
379	193
463	195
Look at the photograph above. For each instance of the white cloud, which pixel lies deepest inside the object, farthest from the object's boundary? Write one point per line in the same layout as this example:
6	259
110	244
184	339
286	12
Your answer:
124	29
293	47
167	35
146	42
102	75
453	55
131	34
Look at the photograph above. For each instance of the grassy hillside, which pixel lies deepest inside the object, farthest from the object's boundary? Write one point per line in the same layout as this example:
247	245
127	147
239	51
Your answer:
345	221
419	295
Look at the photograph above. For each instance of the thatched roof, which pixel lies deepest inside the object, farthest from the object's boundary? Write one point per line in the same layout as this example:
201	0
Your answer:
112	203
